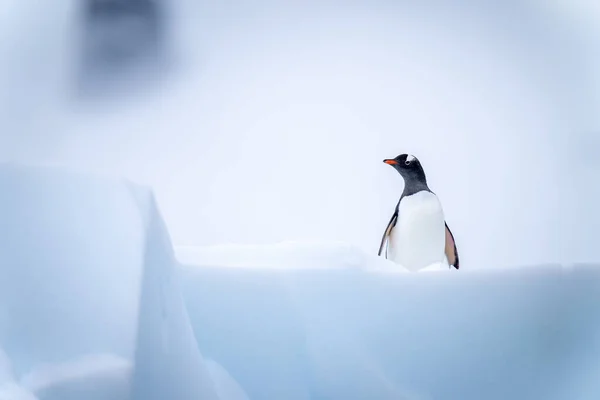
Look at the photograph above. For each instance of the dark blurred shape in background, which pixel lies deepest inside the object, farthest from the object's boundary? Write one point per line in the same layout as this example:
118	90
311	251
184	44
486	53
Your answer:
121	42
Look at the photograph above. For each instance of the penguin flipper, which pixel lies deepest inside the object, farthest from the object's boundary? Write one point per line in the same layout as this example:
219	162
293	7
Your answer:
386	234
450	249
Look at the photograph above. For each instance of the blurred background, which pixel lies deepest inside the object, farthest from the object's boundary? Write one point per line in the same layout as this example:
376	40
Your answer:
263	121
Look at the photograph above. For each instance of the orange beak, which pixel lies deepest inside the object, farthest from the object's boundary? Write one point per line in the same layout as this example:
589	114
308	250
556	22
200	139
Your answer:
390	162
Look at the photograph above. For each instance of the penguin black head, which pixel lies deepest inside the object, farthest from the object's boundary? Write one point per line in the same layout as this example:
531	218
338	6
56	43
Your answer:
411	170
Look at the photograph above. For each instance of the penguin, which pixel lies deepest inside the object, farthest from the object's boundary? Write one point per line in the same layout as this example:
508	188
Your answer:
417	234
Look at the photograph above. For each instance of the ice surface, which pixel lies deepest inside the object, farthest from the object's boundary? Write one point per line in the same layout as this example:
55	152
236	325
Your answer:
9	389
284	255
226	387
12	391
352	333
71	266
93	377
168	362
5	368
89	303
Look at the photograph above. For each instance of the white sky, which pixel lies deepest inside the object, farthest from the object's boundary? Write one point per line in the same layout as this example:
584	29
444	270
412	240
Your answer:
274	124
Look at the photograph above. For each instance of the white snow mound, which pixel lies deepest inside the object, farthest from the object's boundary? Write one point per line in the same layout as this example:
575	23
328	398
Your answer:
284	255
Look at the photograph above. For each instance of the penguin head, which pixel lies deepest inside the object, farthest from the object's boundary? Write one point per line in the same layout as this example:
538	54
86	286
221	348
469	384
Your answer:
408	166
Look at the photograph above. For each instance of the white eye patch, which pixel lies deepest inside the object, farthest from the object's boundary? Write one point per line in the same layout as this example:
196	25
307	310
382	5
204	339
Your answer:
410	158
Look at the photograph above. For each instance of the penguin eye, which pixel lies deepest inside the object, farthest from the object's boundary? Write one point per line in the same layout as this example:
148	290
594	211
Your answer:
409	159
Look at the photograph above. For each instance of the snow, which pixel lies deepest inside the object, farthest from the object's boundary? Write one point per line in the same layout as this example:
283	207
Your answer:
284	255
5	368
12	391
294	255
95	377
166	353
225	386
89	301
521	333
71	243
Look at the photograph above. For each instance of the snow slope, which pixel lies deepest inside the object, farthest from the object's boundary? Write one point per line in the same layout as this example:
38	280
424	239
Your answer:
357	332
89	303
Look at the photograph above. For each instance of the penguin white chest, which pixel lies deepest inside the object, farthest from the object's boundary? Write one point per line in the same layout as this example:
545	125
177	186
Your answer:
418	239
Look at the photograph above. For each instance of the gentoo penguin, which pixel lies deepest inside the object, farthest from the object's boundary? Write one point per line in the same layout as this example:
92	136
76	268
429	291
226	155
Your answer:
417	234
